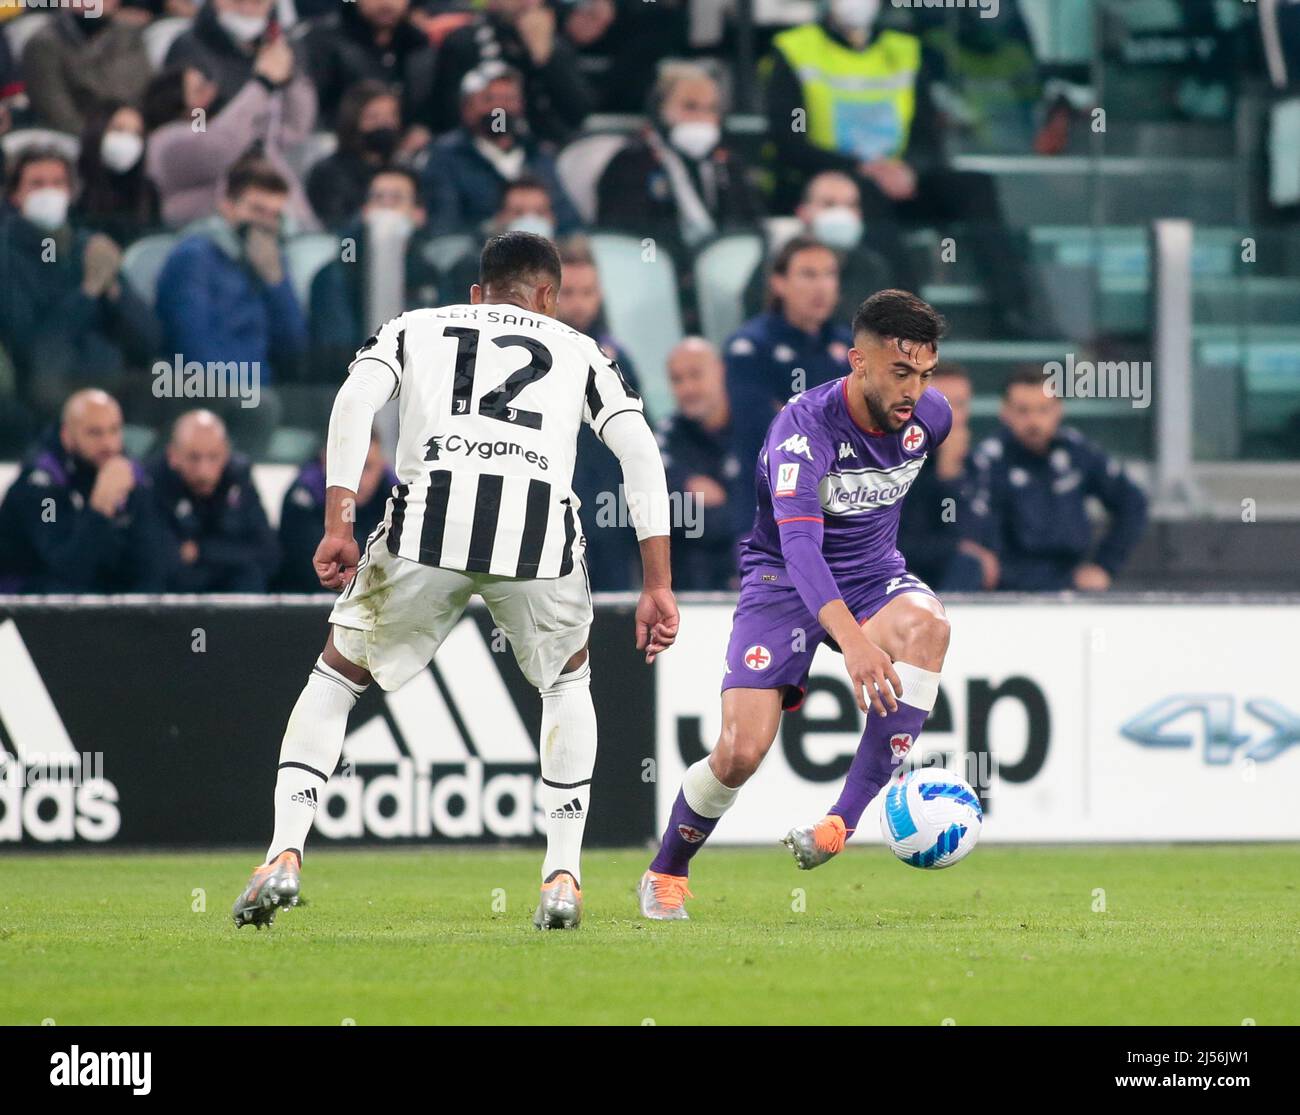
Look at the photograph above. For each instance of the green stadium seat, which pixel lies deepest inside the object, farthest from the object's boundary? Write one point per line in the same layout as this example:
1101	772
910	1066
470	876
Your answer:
143	261
305	255
722	272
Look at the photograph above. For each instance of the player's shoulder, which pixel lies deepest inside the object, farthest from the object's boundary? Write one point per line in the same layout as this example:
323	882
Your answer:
806	415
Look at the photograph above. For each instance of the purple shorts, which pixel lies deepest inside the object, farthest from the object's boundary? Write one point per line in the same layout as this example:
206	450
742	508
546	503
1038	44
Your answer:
774	636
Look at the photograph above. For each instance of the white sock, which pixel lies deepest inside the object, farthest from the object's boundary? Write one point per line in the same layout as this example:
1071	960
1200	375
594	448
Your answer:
568	751
313	742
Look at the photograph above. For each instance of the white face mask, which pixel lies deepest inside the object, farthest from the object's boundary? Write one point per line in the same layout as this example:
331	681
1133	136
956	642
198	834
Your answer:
121	150
855	15
389	222
47	208
534	223
695	138
838	227
242	28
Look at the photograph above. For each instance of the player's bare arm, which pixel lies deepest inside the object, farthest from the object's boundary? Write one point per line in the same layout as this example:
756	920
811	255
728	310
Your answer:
337	555
656	612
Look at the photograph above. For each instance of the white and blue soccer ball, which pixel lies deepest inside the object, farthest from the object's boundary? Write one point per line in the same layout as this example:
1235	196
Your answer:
930	818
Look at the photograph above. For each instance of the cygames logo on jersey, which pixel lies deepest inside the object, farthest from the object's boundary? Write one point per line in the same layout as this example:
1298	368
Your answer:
486	450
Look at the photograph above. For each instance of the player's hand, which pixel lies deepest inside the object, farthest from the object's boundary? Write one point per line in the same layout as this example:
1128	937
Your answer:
656	621
1091	578
336	561
113	483
872	668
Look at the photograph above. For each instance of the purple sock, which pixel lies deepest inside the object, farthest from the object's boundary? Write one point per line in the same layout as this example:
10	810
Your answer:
884	745
685	835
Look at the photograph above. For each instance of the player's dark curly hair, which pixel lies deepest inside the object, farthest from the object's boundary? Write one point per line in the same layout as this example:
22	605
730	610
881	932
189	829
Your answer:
518	257
901	314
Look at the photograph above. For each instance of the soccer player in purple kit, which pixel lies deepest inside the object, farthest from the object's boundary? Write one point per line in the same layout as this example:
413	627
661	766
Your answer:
821	564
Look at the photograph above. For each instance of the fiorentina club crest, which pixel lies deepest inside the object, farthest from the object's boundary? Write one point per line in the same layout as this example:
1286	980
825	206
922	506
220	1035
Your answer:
758	657
913	438
690	834
900	744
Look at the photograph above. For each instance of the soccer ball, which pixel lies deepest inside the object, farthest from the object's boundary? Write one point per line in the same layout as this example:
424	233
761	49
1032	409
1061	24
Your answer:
931	818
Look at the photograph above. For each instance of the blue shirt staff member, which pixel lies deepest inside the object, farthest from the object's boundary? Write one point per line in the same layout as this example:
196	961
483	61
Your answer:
795	345
1032	480
80	517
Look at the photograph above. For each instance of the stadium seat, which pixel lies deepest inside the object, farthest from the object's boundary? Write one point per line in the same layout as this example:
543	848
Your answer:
17	140
20	30
159	36
580	166
306	254
641	309
722	272
143	260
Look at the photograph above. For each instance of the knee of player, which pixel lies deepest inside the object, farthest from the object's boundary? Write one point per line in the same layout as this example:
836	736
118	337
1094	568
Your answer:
737	756
925	636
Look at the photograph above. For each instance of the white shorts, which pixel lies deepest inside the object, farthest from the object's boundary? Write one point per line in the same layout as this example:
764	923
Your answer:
396	612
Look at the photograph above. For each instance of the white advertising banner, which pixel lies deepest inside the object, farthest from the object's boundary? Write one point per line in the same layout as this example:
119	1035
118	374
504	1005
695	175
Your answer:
1076	722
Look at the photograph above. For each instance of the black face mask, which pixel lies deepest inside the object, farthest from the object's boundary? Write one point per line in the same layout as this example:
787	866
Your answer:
381	141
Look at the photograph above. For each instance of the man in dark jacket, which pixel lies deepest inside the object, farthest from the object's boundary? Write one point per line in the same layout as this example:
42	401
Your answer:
696	446
65	313
372	40
937	516
338	293
223	42
219	539
678	182
80	517
304	512
1032	481
468	169
523	35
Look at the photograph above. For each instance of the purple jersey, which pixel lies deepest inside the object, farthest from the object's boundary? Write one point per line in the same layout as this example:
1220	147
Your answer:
819	464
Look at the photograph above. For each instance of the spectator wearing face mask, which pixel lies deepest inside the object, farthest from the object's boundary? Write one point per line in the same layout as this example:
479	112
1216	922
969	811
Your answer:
91	53
468	169
866	95
116	196
339	318
225	42
522	34
225	296
373	40
525	207
218	538
66	314
677	182
831	212
188	162
369	131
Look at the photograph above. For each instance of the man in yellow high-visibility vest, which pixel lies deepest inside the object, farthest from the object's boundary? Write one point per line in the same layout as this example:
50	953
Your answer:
846	94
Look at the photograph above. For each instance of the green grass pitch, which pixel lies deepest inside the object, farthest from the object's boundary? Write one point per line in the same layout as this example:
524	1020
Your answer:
1188	935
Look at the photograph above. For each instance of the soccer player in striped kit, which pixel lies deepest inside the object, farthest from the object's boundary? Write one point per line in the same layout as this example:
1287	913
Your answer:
821	564
491	396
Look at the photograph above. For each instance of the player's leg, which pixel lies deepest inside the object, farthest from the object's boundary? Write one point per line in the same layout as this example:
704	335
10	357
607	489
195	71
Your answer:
913	630
548	623
386	626
709	788
309	752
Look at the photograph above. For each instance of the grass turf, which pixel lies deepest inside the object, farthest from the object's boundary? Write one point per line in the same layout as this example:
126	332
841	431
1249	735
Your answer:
1190	934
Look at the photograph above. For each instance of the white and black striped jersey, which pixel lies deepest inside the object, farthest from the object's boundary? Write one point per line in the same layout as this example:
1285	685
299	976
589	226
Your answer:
490	402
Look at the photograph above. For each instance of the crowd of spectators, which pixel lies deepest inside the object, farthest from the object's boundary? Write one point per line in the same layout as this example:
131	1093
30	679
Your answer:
257	120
